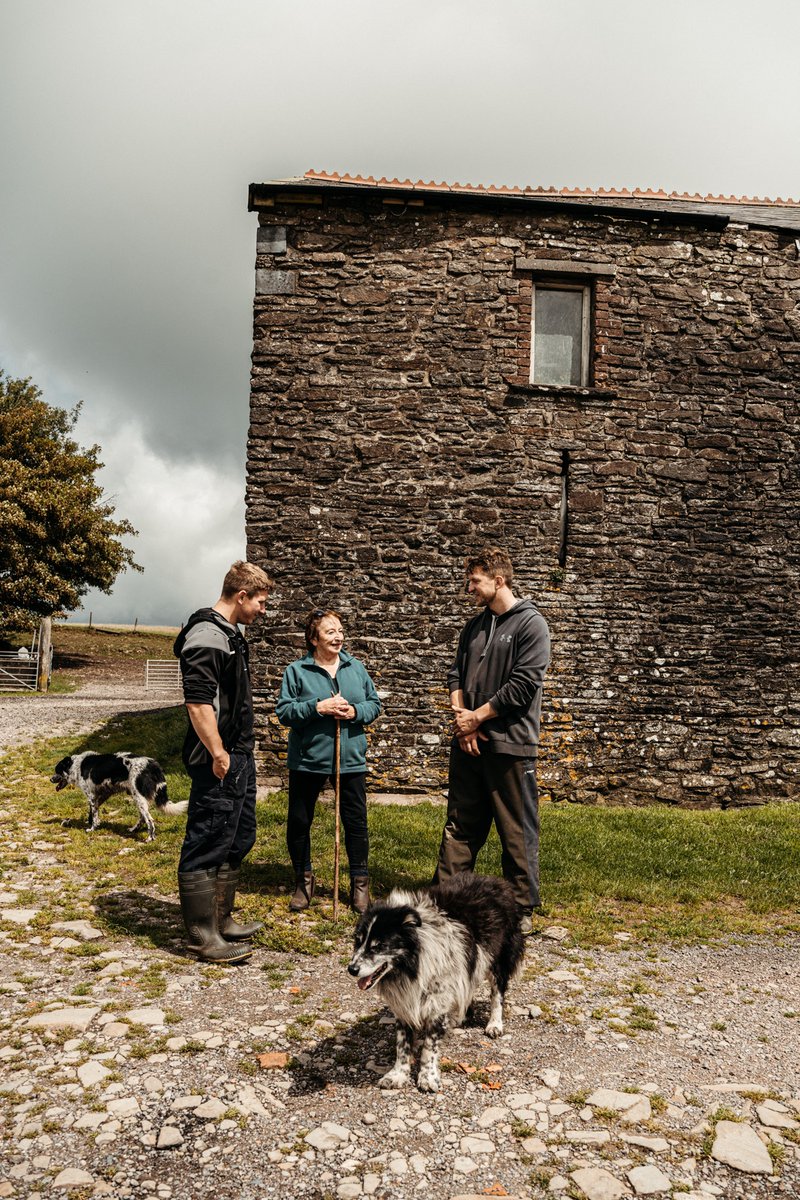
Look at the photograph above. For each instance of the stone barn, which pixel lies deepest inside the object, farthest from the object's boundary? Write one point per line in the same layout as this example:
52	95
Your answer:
605	384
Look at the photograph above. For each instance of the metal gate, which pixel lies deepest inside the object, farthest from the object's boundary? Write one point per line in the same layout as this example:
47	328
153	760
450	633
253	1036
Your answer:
162	675
19	671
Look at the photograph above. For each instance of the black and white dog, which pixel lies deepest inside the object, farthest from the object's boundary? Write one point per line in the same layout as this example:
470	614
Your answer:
428	953
102	775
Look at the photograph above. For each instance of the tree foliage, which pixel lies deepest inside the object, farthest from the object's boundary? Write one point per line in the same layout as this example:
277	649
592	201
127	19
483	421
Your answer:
58	536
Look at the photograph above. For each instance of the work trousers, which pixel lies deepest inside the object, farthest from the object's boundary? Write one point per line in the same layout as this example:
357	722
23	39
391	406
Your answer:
221	821
304	789
500	788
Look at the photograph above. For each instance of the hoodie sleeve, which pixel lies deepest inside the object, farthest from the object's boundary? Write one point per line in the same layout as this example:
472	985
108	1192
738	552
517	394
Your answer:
455	679
370	707
292	709
530	663
204	655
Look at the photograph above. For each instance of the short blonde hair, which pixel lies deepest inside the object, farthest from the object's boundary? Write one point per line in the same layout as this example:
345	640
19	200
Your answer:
246	577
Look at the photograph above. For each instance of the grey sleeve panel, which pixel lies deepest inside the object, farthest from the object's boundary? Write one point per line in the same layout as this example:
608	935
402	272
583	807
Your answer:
208	637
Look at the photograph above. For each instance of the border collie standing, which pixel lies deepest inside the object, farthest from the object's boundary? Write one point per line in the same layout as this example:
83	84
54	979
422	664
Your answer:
428	953
102	775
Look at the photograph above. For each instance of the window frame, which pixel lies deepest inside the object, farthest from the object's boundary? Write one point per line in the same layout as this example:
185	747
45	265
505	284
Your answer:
554	284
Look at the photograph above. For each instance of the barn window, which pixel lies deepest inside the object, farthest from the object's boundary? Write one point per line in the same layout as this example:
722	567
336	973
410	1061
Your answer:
560	333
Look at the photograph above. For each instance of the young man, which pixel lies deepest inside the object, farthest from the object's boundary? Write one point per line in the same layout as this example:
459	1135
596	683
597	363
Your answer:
218	754
496	695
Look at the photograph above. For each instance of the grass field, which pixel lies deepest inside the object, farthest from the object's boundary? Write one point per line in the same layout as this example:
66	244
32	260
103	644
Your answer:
653	872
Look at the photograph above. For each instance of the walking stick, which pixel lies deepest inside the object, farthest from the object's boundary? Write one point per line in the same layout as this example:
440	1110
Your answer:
336	798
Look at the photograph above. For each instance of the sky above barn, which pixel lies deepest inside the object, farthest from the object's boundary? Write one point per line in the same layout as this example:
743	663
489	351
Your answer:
129	132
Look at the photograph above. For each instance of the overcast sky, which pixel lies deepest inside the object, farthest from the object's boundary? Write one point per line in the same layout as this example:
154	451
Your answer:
129	132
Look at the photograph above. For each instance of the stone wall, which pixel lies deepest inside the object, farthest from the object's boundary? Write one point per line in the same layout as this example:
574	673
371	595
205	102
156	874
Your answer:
393	432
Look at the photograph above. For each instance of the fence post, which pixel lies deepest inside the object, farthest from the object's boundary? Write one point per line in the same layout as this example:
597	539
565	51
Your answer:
45	641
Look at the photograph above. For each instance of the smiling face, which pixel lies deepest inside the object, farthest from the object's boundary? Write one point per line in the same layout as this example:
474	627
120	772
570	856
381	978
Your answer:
483	587
247	608
385	941
330	637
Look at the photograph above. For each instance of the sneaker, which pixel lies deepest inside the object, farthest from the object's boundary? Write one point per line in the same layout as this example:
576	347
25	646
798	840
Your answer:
526	924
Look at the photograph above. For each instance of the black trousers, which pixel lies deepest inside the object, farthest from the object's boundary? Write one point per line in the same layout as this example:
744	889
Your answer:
221	821
304	790
500	788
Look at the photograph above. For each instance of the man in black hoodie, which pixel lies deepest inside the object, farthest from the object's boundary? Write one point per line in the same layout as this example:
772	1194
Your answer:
496	695
218	754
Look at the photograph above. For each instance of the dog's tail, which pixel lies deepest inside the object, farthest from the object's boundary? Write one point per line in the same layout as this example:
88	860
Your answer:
163	802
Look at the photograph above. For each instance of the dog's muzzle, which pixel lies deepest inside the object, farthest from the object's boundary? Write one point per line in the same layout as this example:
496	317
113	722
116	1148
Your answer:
58	781
365	982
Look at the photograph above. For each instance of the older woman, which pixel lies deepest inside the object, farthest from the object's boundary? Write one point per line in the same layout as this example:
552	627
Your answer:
326	686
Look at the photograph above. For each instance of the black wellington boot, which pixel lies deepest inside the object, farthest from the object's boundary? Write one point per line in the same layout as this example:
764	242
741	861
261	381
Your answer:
198	893
304	891
227	883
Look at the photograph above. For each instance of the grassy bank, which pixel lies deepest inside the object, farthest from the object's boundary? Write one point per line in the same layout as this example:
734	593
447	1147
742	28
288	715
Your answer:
656	873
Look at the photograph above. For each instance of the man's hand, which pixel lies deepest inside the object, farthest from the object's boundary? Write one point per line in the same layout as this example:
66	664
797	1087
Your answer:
221	763
204	722
469	743
465	721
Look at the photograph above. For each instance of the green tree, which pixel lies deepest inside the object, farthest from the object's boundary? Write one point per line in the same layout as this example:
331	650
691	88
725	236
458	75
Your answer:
58	537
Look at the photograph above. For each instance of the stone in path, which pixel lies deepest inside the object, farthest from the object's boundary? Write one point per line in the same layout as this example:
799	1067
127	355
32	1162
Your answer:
63	1018
169	1136
632	1106
655	1144
776	1115
19	916
92	1072
328	1136
476	1145
648	1181
738	1145
597	1184
152	1017
212	1110
72	1177
81	929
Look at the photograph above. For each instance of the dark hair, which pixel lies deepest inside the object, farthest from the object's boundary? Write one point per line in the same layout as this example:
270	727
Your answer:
313	622
491	560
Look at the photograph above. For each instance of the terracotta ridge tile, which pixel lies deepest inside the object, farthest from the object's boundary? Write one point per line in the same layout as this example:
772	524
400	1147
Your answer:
539	190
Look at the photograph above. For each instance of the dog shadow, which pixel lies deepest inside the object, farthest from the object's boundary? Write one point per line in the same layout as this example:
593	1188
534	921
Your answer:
118	828
357	1057
344	1060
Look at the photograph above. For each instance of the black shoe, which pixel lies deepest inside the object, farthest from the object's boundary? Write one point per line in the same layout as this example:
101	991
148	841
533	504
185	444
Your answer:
227	882
198	893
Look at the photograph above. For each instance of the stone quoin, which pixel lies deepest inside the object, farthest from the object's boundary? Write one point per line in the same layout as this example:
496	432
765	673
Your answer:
603	383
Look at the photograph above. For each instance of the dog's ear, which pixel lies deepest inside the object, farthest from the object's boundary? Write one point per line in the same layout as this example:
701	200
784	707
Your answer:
412	917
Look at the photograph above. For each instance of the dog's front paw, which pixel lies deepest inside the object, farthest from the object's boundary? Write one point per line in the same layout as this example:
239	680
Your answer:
429	1079
494	1029
395	1078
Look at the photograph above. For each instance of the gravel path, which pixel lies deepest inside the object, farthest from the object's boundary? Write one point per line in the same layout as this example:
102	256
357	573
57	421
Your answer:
128	1070
26	718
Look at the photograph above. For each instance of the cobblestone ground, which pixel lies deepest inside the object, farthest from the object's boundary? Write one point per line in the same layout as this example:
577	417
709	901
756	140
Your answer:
131	1071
